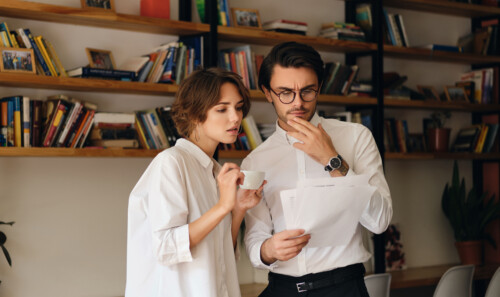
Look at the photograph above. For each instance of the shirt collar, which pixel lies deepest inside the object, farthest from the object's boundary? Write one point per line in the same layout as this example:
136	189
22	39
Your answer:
199	154
315	120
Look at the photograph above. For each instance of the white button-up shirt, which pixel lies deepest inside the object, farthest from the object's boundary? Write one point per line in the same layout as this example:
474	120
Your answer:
285	166
176	189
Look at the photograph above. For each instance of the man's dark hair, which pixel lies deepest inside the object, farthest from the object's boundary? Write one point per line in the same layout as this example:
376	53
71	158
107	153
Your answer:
290	54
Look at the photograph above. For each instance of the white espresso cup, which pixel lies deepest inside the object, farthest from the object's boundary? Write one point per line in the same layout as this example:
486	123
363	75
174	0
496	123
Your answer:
253	179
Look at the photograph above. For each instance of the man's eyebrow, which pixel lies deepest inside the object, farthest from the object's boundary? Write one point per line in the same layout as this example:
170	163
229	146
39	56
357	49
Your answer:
291	89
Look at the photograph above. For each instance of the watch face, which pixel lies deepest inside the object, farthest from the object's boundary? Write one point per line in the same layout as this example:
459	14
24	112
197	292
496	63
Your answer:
335	163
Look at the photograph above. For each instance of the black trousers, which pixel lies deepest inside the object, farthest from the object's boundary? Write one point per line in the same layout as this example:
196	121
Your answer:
341	282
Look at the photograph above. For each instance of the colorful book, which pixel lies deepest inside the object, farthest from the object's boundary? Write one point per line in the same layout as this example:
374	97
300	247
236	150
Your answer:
43	51
26	118
38	53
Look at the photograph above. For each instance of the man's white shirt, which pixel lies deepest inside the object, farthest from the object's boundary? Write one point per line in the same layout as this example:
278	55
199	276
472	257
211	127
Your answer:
285	166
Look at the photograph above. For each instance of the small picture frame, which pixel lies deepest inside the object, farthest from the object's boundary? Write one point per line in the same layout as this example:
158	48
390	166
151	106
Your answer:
244	17
104	5
102	59
429	92
456	94
18	60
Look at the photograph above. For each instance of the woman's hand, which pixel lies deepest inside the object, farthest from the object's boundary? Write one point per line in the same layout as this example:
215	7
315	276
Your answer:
228	180
246	199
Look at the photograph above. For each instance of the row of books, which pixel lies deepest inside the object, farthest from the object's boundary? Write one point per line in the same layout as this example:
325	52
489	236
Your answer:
481	85
478	138
47	61
155	128
244	61
338	78
59	121
397	138
395	29
224	12
342	31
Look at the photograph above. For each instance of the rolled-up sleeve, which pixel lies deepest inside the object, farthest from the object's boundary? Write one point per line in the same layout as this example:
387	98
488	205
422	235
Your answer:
378	213
168	212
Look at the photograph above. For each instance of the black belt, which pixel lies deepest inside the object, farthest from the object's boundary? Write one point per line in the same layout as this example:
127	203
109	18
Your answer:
318	280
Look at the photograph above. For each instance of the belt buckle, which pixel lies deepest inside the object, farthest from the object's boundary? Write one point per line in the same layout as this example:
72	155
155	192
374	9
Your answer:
299	285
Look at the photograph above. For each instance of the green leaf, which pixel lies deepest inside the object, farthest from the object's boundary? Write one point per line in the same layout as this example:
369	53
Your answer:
7	256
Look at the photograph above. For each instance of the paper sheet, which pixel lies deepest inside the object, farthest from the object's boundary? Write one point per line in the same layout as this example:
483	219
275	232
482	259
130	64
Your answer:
328	209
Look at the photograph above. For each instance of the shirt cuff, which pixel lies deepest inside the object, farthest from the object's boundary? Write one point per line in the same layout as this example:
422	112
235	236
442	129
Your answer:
182	240
257	260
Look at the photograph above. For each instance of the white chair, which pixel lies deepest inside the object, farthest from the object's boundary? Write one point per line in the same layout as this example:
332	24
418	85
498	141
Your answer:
494	286
378	285
456	282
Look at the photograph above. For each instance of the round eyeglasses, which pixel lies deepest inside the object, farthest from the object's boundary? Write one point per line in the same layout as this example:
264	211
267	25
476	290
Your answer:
287	96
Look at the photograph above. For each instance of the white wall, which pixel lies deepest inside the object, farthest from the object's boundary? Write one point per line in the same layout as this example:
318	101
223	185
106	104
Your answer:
70	233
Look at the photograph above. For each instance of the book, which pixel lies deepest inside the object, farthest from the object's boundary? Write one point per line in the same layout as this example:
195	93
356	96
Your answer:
442	47
26	121
114	118
285	24
57	118
73	113
39	57
36	122
481	139
88	72
466	139
250	128
45	55
54	58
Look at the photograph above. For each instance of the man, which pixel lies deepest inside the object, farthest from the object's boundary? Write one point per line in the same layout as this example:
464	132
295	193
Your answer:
306	146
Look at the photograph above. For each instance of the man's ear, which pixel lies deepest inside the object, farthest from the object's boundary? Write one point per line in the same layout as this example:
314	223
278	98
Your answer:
268	94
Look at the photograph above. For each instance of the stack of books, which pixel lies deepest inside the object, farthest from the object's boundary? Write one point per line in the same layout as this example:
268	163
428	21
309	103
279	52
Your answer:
286	26
476	138
114	130
343	31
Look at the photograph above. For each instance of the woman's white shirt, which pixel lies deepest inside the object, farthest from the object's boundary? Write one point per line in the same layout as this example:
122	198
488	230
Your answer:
176	189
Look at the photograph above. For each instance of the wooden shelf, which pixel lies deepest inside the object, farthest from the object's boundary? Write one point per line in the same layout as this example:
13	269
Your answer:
435	156
258	96
95	18
257	36
71	152
97	152
428	104
445	7
423	54
84	84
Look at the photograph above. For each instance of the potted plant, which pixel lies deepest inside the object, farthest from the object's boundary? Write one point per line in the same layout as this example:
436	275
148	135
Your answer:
3	239
469	214
438	135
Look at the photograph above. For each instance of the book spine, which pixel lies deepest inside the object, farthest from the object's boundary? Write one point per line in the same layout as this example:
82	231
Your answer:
4	121
45	55
55	124
55	58
107	73
36	122
26	121
72	117
86	129
158	130
17	122
38	54
140	134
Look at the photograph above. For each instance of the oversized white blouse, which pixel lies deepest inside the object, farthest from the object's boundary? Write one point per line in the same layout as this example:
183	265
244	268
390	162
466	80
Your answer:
176	189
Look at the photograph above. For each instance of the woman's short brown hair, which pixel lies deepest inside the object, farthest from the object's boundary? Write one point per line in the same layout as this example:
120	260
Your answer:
199	92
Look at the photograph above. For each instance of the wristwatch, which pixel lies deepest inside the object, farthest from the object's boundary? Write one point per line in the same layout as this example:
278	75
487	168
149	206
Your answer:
337	163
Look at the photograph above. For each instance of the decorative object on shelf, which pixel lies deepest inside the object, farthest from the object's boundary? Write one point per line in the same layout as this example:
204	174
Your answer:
244	17
19	60
455	94
3	239
156	8
104	5
469	214
438	135
394	254
102	59
429	92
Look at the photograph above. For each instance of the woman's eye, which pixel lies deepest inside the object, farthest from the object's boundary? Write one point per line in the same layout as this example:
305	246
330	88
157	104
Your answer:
221	110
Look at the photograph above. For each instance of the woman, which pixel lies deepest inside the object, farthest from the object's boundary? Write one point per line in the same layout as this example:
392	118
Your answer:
180	237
